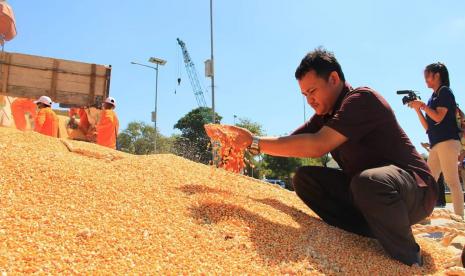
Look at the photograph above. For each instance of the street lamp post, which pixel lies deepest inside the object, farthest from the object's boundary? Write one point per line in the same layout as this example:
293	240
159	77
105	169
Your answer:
212	63
212	60
157	62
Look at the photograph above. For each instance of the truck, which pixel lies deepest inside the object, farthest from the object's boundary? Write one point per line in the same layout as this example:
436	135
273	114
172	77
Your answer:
69	83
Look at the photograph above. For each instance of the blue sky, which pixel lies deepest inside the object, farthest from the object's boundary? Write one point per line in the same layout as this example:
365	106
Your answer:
257	46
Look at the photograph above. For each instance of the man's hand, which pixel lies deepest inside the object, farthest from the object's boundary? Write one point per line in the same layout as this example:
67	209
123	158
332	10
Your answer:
417	105
238	137
72	123
243	136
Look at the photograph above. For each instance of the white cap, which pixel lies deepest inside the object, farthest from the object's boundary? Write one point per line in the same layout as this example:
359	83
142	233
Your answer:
45	100
110	100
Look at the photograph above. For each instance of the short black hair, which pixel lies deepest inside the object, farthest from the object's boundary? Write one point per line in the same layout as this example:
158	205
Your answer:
440	68
322	61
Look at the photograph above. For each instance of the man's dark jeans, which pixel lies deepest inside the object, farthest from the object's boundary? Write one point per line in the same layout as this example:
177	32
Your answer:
381	202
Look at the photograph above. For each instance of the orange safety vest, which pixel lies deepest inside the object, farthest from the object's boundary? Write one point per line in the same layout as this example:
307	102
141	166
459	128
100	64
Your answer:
19	108
83	120
107	128
46	122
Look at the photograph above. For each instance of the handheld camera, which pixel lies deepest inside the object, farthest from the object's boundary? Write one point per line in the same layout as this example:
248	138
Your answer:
411	96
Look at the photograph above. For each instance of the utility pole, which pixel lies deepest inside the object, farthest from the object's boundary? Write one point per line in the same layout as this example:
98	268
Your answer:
212	62
212	75
157	62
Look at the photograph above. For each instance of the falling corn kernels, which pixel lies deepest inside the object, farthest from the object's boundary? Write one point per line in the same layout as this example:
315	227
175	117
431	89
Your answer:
229	157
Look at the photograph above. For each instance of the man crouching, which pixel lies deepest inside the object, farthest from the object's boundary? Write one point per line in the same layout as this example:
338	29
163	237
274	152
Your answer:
383	187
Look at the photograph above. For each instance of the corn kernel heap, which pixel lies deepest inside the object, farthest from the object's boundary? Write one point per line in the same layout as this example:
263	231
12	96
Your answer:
230	158
65	212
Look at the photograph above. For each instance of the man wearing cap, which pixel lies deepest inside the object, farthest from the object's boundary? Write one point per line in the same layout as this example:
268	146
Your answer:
20	107
107	127
46	121
83	124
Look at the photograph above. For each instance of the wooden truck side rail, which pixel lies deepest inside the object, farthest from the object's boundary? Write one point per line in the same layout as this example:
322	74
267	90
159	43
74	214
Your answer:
69	83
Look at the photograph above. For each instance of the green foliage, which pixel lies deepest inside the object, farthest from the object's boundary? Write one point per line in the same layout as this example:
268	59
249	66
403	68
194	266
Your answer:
321	161
281	168
193	142
138	138
311	162
255	128
324	160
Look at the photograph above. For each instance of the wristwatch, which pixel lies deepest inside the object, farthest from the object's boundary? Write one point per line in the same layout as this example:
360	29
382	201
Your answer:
254	148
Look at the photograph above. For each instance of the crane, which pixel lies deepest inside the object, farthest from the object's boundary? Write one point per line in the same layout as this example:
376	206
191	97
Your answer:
192	72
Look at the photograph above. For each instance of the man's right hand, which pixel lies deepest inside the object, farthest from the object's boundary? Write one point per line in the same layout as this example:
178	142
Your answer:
240	138
243	137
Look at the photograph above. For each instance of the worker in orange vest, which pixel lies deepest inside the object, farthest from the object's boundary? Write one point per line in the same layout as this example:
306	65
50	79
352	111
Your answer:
83	120
107	127
46	121
20	107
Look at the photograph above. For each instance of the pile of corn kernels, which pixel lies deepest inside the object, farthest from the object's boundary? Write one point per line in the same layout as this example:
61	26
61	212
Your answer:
62	211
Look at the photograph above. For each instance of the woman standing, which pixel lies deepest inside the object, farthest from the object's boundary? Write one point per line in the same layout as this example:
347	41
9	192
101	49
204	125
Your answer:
438	118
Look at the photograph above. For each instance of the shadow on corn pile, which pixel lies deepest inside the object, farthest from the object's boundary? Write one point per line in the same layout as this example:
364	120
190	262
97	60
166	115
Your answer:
332	250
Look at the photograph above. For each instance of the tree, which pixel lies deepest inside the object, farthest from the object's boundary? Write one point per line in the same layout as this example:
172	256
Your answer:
320	161
254	127
281	168
193	142
311	162
138	138
325	160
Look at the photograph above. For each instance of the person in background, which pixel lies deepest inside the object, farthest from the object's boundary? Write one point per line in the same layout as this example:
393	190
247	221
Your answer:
438	118
461	166
46	121
20	108
108	125
83	124
441	202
